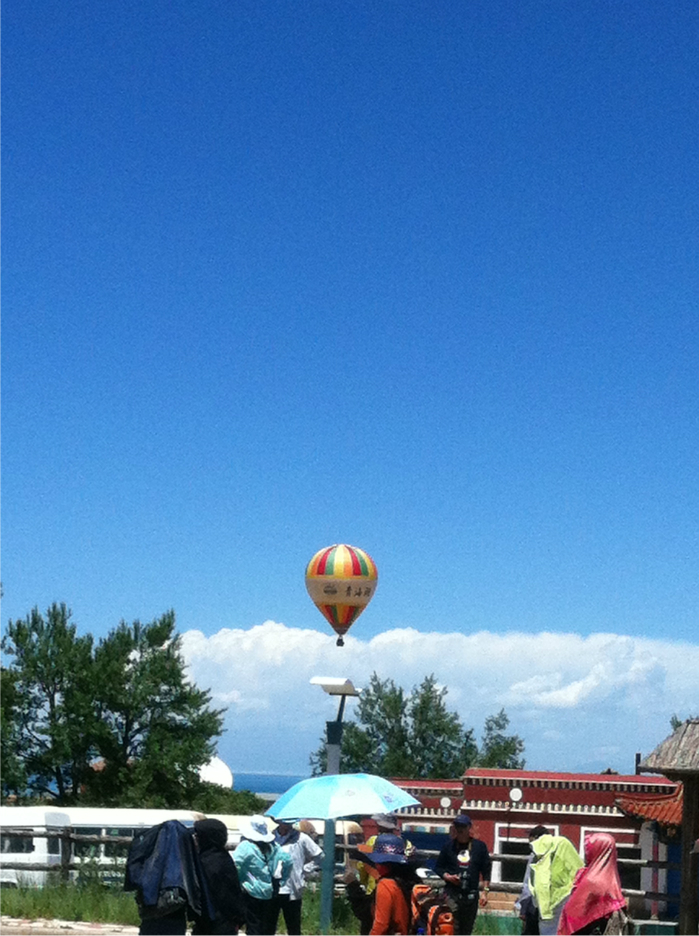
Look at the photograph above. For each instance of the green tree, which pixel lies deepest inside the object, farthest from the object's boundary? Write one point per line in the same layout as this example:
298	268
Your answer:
53	714
156	727
499	749
14	777
394	735
676	722
116	724
210	798
377	741
439	745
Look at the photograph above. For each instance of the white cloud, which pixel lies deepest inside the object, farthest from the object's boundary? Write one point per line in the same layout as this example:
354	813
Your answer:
577	701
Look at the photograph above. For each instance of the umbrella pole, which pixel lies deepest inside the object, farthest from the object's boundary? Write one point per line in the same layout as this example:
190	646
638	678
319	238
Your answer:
327	880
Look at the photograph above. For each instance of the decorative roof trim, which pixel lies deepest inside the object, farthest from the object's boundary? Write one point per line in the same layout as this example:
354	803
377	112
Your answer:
644	785
666	809
509	778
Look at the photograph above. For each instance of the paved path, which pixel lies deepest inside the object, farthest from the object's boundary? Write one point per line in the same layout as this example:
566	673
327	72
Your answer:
12	926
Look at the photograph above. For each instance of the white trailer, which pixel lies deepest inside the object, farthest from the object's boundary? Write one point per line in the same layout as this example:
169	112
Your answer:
45	849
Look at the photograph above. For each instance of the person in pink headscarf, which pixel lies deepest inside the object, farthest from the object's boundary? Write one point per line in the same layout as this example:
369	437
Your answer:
596	903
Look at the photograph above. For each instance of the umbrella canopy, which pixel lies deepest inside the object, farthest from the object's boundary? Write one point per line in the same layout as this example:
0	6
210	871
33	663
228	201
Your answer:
336	795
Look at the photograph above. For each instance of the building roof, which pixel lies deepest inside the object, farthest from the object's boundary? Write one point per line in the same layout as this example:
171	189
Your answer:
507	777
430	784
665	809
678	754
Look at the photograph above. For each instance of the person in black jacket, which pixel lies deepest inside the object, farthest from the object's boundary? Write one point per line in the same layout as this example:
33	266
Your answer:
462	862
221	874
164	869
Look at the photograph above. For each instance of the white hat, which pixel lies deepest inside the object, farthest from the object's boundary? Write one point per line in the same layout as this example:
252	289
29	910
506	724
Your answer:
256	829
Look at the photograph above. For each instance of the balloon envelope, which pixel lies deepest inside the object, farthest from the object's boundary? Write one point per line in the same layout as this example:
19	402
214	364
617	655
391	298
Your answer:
341	581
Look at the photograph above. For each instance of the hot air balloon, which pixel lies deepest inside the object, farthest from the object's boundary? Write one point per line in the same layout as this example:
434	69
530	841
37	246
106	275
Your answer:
341	581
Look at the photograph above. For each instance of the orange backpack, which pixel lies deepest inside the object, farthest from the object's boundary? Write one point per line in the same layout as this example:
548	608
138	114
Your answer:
430	913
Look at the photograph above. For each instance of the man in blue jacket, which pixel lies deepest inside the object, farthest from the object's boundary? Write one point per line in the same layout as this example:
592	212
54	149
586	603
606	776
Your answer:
462	862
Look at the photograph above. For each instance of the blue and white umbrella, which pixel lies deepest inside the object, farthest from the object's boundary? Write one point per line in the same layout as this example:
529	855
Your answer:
335	795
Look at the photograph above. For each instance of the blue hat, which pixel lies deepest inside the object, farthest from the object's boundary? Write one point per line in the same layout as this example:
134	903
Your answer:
388	848
462	819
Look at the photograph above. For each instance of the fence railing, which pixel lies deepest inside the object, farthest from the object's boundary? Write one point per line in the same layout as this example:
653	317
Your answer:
515	888
67	861
69	836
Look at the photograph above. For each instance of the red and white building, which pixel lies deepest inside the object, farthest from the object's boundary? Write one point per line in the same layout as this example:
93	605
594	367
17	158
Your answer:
567	804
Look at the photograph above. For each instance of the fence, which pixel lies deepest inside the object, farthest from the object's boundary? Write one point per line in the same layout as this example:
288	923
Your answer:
68	836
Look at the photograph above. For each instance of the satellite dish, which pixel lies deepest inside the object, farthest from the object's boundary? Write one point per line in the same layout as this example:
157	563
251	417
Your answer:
515	794
217	772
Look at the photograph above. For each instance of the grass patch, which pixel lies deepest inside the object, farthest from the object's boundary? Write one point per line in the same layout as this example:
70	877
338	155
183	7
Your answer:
342	923
92	902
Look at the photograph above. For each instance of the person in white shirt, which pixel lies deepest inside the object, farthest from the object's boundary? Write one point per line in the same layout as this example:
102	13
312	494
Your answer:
306	855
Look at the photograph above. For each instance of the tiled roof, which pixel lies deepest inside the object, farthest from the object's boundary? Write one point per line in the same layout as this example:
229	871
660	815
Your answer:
679	753
431	784
665	809
441	785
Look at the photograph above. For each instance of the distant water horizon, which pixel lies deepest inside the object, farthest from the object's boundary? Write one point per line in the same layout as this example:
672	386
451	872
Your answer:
265	782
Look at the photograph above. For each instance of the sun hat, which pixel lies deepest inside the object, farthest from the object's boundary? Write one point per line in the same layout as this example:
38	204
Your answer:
388	848
256	829
462	819
385	821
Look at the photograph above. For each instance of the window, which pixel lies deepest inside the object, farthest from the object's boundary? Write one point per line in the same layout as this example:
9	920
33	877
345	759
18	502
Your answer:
513	871
53	845
16	845
87	849
629	875
117	849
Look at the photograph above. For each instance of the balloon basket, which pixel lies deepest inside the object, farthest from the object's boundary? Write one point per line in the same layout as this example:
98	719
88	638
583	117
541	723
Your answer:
340	642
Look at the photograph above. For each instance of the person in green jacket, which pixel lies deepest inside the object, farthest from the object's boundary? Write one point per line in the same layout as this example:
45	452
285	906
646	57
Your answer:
556	862
262	868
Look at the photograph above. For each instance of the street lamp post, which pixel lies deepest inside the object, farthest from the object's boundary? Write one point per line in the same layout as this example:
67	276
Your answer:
343	688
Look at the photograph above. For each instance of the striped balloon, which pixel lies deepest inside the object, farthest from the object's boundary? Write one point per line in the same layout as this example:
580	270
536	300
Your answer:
341	581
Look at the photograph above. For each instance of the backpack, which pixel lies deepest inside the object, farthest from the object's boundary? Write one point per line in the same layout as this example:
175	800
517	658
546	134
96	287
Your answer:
430	911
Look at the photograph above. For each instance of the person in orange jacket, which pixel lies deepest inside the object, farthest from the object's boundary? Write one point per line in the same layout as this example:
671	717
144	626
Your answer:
393	887
385	822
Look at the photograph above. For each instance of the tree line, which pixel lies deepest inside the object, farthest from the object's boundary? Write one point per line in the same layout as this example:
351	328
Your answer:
113	722
415	735
116	722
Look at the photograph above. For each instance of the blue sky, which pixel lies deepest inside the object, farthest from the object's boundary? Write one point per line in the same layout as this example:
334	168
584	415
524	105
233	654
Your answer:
418	277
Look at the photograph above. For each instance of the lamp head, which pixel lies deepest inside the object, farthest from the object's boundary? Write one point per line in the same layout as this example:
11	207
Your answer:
334	685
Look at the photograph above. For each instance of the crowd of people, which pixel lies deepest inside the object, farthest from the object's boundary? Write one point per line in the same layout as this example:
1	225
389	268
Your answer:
179	877
182	875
